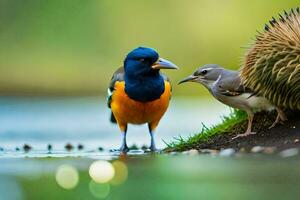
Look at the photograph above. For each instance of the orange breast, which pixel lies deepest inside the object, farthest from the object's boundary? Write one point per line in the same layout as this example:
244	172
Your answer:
127	110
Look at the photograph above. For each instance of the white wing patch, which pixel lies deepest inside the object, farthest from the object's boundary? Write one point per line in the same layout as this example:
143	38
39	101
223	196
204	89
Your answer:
108	97
109	92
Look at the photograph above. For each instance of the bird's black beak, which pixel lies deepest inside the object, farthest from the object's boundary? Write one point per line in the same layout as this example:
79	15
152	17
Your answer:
164	64
190	78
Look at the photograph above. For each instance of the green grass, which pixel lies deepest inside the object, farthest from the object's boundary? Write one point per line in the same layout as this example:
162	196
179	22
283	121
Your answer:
228	122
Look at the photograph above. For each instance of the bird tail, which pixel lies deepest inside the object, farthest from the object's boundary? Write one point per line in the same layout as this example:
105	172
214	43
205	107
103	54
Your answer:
112	118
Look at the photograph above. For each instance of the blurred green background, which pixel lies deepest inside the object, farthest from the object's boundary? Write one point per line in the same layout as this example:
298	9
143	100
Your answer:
71	47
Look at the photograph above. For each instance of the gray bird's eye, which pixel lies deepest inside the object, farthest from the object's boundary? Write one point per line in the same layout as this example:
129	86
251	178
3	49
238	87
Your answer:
203	72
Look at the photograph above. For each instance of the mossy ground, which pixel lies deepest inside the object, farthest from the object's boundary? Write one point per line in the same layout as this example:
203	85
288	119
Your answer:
220	136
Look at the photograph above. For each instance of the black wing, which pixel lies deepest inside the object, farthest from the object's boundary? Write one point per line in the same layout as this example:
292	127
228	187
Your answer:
117	76
166	79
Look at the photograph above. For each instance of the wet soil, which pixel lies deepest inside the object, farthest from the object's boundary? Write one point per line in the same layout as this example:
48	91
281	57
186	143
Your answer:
282	136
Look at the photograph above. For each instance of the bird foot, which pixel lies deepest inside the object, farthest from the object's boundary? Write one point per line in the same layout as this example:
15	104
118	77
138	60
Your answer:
122	149
154	149
275	123
281	118
244	135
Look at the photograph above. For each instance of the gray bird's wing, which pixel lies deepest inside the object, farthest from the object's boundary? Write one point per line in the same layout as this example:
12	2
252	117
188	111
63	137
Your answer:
117	76
230	84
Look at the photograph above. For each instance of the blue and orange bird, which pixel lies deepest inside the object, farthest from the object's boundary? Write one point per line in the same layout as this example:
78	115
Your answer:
139	93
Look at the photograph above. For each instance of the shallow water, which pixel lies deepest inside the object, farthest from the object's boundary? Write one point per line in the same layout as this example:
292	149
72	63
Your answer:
39	121
78	174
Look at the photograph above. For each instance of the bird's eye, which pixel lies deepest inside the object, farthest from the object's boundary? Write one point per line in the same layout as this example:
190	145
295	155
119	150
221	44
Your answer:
203	72
142	60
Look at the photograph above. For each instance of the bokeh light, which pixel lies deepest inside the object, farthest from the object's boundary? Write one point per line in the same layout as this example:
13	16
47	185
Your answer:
67	176
101	171
121	173
99	190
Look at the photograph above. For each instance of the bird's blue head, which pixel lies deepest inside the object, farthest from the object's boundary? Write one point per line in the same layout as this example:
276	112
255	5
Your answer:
143	82
144	61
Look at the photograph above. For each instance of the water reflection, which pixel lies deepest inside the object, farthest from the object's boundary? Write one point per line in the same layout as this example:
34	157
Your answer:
101	171
121	173
67	176
99	190
136	177
102	174
10	189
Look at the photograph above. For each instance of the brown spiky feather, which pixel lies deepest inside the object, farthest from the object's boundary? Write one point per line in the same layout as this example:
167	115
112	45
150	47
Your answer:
272	64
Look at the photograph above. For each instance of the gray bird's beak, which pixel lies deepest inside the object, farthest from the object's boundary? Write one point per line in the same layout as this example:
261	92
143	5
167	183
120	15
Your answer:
164	64
190	78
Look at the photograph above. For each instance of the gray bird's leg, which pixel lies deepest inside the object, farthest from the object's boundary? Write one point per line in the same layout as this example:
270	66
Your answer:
124	147
279	119
248	131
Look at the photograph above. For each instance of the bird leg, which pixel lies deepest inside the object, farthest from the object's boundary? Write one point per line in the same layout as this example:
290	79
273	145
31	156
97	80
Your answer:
124	147
152	145
151	131
248	131
280	118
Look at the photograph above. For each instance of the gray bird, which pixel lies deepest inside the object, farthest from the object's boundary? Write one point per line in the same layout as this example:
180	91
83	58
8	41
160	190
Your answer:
226	86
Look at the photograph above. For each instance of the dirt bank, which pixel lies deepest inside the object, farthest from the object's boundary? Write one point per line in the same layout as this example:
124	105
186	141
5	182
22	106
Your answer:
282	136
